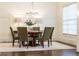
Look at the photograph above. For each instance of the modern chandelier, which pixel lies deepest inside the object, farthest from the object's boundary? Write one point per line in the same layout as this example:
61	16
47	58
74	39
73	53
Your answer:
32	12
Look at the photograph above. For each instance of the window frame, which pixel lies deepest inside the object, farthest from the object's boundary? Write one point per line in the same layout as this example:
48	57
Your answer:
68	33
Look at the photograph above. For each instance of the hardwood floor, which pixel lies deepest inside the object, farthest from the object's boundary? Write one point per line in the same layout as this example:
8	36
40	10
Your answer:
66	50
41	53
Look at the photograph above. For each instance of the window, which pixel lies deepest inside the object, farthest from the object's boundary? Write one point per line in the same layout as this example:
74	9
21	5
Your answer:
70	19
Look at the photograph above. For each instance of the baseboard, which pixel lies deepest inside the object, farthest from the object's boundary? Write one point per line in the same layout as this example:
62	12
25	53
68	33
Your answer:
5	41
66	43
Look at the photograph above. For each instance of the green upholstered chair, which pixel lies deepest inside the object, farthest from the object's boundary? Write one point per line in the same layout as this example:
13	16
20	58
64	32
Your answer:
51	35
14	36
23	36
46	36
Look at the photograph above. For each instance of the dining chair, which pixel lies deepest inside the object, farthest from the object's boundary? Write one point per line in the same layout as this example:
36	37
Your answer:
51	35
23	36
45	37
36	28
14	36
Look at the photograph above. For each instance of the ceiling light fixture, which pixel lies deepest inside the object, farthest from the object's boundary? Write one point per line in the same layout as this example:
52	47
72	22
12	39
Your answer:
32	12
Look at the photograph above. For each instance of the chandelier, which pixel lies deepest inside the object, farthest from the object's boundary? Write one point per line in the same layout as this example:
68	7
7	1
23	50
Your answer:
32	12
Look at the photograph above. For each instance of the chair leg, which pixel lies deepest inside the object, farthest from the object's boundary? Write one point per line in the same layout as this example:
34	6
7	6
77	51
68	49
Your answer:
42	43
51	42
13	42
27	43
48	43
38	41
20	43
23	43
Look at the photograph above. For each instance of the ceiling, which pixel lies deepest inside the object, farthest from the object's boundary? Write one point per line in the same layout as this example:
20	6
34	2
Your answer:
19	9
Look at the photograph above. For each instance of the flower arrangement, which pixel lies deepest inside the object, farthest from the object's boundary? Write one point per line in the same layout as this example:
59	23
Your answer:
29	23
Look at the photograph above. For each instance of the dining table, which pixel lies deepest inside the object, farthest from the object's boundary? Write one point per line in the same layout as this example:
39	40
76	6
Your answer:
32	33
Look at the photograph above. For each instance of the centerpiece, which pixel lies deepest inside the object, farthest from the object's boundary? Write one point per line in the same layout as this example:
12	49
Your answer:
29	23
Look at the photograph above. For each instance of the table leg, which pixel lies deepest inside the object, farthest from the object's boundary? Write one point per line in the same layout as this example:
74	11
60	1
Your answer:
33	43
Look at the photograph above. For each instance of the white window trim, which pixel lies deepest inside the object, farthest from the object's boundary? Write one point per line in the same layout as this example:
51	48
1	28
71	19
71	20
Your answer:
62	22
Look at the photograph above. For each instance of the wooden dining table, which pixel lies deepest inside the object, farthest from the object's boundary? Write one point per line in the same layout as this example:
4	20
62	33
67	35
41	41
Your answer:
32	33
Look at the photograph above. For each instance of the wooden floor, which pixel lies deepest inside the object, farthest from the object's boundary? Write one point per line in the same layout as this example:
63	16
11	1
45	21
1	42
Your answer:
41	53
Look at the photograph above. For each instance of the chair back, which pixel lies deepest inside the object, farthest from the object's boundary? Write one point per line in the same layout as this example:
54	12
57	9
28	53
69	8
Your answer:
12	33
51	32
47	33
36	28
22	33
